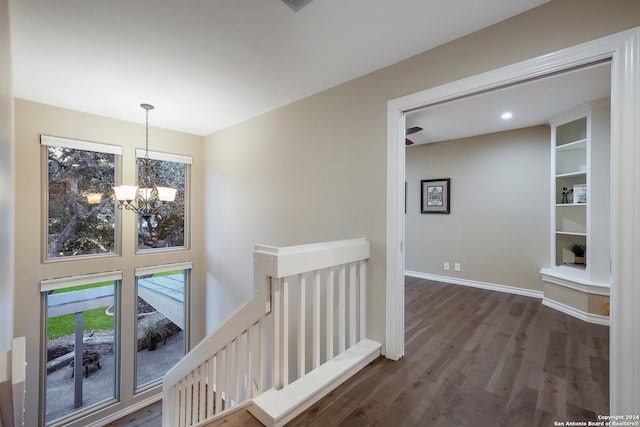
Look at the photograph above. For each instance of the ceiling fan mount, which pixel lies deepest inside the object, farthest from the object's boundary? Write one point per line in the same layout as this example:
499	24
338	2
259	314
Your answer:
410	131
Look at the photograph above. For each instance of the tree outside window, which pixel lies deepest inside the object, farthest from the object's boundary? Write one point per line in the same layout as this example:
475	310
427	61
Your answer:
81	212
166	229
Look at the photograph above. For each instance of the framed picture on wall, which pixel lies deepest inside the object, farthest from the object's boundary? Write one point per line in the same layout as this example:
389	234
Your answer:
435	195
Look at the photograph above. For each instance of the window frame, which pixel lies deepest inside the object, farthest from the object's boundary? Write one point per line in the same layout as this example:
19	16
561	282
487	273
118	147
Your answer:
188	162
47	141
187	267
48	285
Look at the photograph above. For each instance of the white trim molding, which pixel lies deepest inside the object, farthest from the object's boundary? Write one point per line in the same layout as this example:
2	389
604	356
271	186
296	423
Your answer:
167	157
624	360
476	284
624	51
394	296
77	144
598	319
163	268
85	279
556	277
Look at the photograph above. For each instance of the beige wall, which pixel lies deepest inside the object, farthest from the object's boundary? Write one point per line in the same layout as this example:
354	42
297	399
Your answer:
315	170
32	120
498	228
6	182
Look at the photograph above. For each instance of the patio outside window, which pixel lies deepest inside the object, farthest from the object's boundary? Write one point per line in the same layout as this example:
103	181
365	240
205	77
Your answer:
81	342
162	324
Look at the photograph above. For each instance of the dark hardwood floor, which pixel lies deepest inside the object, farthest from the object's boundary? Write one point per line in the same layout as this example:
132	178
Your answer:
472	358
477	358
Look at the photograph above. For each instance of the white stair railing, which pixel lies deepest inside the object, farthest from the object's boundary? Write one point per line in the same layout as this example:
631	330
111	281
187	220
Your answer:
308	307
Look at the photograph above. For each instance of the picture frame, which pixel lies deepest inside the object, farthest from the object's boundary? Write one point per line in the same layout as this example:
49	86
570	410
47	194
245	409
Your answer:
435	196
580	193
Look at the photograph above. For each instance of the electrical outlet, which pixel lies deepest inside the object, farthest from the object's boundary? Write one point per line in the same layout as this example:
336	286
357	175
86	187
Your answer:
445	266
606	308
456	266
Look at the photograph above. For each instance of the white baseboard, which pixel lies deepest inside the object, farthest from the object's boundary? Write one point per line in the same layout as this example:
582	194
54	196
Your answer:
578	314
563	308
476	284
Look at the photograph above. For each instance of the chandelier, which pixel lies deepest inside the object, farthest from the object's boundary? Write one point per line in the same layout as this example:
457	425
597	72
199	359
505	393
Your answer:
146	197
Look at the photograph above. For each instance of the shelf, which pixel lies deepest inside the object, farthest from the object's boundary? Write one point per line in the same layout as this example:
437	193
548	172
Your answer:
576	145
571	233
572	174
570	132
574	265
580	161
574	278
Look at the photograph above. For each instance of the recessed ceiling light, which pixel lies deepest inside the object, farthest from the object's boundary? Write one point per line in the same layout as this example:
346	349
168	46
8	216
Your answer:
506	116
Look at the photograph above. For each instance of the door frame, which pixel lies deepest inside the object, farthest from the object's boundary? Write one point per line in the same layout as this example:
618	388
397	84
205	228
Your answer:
624	50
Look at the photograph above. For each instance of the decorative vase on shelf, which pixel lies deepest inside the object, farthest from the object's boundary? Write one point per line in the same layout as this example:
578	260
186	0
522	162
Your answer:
565	195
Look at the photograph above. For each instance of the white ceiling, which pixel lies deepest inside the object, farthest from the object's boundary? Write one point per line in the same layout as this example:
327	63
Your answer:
209	64
530	103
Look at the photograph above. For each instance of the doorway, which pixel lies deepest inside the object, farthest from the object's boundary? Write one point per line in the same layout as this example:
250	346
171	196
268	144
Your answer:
493	150
625	96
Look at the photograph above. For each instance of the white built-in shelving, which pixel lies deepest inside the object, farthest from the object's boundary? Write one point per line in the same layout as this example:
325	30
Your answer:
580	166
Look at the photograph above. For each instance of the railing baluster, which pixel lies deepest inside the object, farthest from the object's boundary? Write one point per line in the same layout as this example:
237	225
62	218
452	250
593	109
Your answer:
218	384
180	403
341	309
210	383
285	333
263	360
301	326
194	395
238	371
174	417
363	300
250	360
202	385
228	361
352	304
316	321
277	333
189	417
330	311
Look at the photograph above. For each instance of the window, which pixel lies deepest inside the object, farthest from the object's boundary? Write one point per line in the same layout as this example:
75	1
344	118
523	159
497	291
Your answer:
81	314
162	321
81	213
167	228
